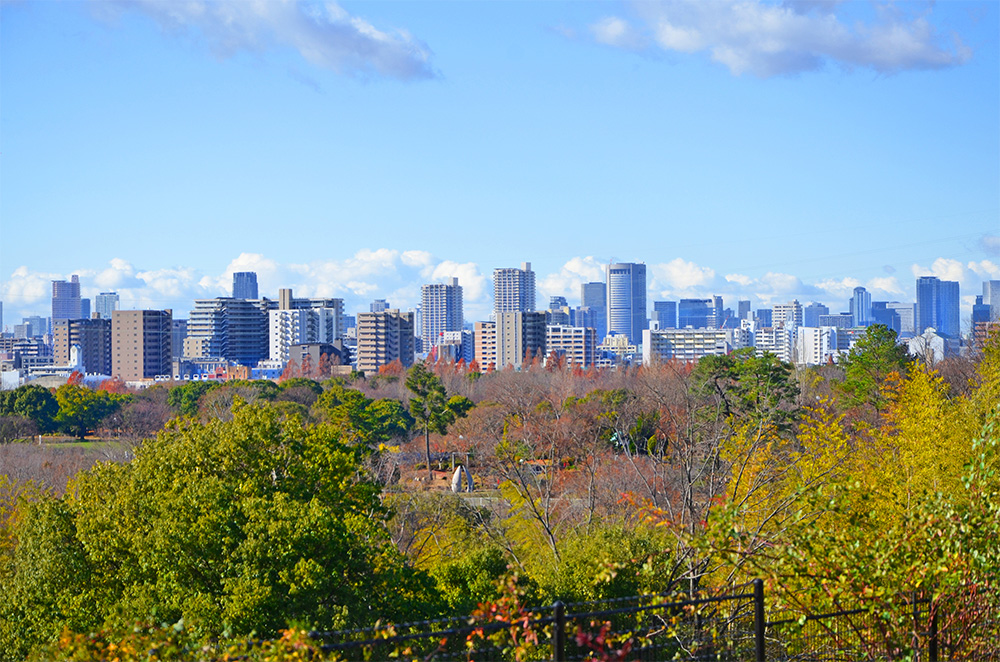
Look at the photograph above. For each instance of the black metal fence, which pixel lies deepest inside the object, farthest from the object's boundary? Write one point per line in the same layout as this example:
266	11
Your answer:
732	625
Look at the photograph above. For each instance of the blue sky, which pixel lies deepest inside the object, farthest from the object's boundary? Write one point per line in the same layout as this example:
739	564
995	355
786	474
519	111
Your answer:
760	150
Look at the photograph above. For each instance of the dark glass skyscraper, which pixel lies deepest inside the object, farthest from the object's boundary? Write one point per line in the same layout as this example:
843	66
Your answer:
594	296
66	303
245	285
937	306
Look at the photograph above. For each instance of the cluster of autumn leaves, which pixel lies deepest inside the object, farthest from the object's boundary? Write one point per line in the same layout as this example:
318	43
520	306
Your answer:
871	483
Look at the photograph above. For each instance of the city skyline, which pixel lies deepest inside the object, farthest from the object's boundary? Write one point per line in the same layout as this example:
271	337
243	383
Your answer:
156	153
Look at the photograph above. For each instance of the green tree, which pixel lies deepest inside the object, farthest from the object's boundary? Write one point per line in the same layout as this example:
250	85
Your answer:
186	398
236	526
431	407
750	388
32	402
81	409
874	357
363	422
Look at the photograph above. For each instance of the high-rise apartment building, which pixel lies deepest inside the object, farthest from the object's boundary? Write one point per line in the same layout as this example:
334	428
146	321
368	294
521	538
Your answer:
245	285
485	345
384	337
627	300
287	328
229	328
786	315
514	289
595	297
576	346
92	336
140	344
105	303
66	303
440	311
517	335
937	306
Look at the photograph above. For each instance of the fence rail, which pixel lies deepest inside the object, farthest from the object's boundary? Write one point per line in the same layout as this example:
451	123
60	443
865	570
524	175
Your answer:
731	625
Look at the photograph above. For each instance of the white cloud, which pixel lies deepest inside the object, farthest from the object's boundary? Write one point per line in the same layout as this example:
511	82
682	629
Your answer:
886	284
567	281
739	279
765	39
943	268
990	243
614	31
325	35
680	276
839	289
986	269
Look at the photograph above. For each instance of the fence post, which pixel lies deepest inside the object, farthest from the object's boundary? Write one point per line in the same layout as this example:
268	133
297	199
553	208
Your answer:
758	618
932	652
559	636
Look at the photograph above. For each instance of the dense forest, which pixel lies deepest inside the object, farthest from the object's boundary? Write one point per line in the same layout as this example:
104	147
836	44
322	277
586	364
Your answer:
244	508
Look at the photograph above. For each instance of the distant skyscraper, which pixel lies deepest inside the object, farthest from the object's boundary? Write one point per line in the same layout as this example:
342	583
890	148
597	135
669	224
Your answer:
514	289
440	311
991	298
861	307
743	309
627	300
66	304
558	303
694	313
937	306
106	303
245	285
378	305
595	297
665	314
811	313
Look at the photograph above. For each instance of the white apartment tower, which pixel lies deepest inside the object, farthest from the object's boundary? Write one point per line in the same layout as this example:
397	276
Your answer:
514	290
440	311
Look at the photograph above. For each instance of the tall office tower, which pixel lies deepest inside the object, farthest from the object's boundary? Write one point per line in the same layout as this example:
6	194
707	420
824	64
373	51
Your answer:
764	317
34	326
514	290
245	285
558	303
140	342
440	311
991	298
665	314
93	336
743	309
518	334
980	312
886	316
937	306
229	328
595	297
85	308
378	305
384	337
787	315
106	303
694	313
861	307
905	312
841	321
717	319
811	313
627	300
66	304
